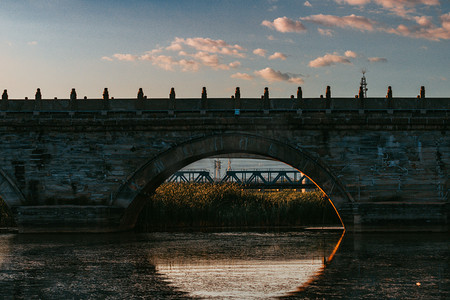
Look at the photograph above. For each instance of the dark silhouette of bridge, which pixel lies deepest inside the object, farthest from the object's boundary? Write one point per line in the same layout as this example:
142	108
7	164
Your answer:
81	164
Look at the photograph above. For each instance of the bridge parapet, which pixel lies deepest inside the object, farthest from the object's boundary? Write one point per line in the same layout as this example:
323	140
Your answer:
214	104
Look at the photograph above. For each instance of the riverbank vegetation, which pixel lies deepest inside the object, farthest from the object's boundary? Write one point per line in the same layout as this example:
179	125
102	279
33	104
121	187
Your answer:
193	205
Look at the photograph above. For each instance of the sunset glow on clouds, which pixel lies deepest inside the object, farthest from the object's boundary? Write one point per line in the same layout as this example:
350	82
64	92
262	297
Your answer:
222	45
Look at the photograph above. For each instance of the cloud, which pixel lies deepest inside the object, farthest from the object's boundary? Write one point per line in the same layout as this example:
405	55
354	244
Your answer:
424	29
207	45
125	57
260	52
32	43
377	59
329	60
399	7
168	62
234	64
350	54
353	2
351	21
210	60
325	32
278	55
271	75
271	38
242	76
284	25
307	4
207	53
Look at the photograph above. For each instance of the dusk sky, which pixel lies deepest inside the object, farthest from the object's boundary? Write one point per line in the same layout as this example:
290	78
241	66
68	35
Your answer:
58	45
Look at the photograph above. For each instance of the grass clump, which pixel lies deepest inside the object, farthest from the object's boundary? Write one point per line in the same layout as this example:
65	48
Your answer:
185	205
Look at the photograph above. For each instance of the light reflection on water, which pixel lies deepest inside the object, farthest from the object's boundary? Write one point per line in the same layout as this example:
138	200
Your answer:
250	279
225	265
244	265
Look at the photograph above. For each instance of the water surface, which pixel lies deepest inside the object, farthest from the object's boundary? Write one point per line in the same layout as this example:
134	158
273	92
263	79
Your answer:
232	265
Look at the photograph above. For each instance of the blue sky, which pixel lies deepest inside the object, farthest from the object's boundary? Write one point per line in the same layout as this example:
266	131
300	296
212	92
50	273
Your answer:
124	45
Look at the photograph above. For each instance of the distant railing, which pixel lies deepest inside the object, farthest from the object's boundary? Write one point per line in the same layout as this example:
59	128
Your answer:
256	179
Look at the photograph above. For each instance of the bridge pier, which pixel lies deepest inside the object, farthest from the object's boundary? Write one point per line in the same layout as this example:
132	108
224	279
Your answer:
396	216
357	217
68	218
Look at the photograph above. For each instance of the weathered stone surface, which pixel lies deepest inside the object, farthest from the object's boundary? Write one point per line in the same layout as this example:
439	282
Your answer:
63	158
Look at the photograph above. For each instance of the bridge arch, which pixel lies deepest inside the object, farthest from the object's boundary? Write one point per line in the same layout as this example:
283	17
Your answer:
133	194
9	192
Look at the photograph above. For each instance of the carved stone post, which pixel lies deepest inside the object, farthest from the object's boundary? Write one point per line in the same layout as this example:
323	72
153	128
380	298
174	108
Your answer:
328	98
389	97
5	100
204	100
37	99
140	99
421	103
422	92
105	99
73	100
266	99
299	103
172	99
237	98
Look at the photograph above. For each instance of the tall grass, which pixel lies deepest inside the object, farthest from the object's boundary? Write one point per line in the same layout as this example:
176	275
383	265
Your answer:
176	205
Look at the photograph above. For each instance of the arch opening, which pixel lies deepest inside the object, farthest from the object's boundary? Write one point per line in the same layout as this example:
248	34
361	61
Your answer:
237	193
143	182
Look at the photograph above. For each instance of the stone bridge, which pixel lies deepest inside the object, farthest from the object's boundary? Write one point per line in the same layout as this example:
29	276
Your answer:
90	164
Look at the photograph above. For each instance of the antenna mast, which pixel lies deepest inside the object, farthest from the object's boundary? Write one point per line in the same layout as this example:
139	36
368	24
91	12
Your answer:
363	83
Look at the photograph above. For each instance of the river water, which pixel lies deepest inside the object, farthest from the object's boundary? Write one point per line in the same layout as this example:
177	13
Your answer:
310	264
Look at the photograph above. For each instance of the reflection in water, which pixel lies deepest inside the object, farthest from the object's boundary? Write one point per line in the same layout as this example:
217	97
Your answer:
244	265
225	265
239	279
4	248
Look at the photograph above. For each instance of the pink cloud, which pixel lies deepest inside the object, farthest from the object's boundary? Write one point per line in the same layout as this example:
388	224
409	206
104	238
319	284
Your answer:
351	21
285	24
278	55
125	57
377	59
207	45
242	76
271	75
260	52
399	7
325	32
425	29
210	53
350	54
329	60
